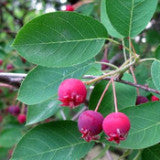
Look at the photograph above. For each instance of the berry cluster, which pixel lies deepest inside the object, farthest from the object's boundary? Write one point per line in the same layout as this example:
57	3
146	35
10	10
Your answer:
72	92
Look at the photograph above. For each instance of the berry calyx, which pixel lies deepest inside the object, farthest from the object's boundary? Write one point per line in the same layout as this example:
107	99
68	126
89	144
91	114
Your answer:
141	99
10	67
72	92
154	98
90	125
14	110
69	8
104	66
116	126
1	62
21	118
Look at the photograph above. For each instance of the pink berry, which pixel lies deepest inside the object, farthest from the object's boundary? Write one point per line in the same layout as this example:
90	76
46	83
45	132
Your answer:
21	118
10	67
104	66
141	99
1	70
90	125
72	92
116	126
69	8
1	62
154	98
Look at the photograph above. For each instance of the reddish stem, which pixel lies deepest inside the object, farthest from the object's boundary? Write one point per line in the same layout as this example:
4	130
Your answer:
100	100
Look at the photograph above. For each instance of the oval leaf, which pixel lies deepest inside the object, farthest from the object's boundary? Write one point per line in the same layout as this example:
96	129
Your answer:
130	17
106	22
42	83
52	141
42	111
155	72
60	39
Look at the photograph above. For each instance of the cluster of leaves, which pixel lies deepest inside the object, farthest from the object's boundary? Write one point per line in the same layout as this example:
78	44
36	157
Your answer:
63	45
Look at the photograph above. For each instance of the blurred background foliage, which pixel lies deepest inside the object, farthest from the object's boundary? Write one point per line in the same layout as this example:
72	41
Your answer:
16	13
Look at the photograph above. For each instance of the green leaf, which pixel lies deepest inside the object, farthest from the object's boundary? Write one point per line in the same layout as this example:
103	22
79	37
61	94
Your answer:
130	17
155	72
152	153
106	22
145	126
60	39
86	9
9	137
157	52
126	96
42	111
53	141
42	83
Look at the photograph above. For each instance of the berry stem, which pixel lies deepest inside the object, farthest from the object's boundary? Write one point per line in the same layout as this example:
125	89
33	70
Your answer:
23	108
63	115
105	53
100	100
114	94
134	78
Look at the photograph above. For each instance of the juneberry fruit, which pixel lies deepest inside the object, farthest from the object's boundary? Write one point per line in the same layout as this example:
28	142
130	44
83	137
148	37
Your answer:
1	62
104	66
141	99
116	126
72	92
69	8
90	125
14	110
10	67
21	118
154	98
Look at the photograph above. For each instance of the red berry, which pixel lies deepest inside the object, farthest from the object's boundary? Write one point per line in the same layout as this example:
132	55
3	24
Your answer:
1	62
141	99
21	118
154	98
104	66
90	125
1	119
23	60
1	91
120	47
14	110
116	126
69	8
72	92
10	67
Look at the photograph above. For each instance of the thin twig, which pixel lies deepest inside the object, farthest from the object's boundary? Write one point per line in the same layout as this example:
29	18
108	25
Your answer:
144	87
108	64
134	78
